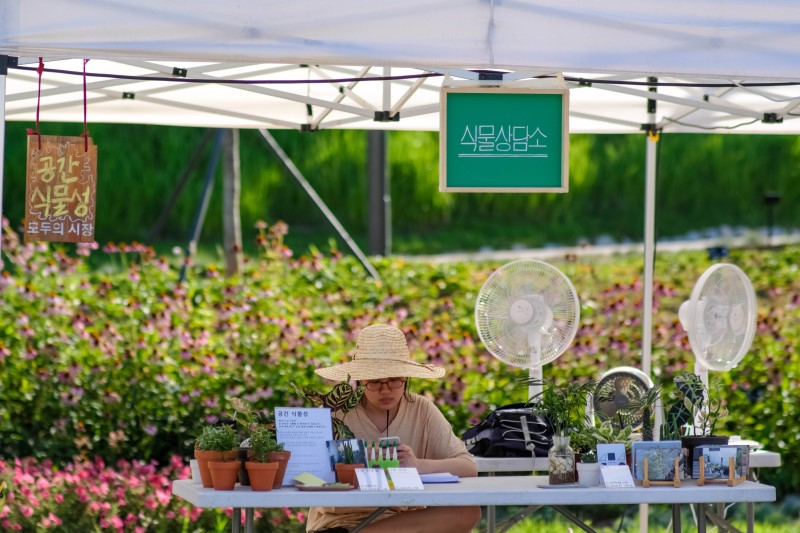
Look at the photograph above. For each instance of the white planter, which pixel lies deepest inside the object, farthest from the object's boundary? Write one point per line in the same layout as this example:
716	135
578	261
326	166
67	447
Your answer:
588	474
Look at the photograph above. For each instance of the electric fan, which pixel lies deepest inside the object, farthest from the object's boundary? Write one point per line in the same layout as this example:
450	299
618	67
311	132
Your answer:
618	391
527	314
720	318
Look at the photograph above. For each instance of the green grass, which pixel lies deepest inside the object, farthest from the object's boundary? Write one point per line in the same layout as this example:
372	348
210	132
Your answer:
781	517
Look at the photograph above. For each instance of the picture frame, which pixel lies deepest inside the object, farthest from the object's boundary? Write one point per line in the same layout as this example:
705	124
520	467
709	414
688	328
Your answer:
716	461
336	452
611	454
660	460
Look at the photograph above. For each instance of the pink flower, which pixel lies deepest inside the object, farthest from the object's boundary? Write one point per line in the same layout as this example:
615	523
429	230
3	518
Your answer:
26	510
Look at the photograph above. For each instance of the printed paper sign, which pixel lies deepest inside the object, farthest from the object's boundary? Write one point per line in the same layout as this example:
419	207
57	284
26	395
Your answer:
304	431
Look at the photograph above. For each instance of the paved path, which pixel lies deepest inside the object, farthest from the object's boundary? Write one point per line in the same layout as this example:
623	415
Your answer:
561	252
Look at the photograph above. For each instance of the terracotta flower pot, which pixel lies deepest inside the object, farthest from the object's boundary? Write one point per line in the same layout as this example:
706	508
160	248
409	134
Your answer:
203	457
262	475
345	473
282	458
224	474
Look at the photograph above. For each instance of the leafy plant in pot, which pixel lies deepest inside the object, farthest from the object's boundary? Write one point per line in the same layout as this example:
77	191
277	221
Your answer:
692	416
216	450
340	399
252	421
588	469
261	469
565	409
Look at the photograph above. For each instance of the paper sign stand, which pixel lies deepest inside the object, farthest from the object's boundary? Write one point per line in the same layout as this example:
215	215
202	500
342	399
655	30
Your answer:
731	480
676	481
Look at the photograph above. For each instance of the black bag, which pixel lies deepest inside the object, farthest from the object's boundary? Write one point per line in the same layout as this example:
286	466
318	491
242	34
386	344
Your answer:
503	434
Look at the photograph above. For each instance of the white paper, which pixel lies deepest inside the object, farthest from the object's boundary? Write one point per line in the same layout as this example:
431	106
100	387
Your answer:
617	477
404	479
372	479
304	431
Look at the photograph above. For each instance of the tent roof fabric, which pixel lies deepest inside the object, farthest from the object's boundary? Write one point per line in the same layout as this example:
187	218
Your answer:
688	42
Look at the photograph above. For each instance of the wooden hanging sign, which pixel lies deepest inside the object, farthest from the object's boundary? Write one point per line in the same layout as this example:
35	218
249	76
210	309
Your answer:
61	185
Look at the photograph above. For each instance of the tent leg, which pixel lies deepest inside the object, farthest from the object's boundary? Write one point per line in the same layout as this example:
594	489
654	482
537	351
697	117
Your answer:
200	217
182	181
317	200
2	147
378	194
649	236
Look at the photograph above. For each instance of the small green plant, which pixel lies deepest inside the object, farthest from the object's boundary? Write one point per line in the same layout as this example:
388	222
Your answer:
564	407
347	449
263	443
645	406
217	439
691	409
607	433
589	456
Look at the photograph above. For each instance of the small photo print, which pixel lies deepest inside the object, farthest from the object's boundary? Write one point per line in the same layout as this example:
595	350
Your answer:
346	450
660	463
717	461
611	454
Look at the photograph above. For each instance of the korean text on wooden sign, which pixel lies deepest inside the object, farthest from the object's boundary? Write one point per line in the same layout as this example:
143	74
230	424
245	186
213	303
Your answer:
504	140
61	189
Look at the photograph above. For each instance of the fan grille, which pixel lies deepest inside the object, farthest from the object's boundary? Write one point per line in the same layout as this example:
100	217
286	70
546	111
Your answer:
527	313
617	390
723	321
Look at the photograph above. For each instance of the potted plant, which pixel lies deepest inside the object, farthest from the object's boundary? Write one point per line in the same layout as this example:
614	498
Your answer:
346	465
252	421
565	409
692	416
607	433
588	469
215	446
261	470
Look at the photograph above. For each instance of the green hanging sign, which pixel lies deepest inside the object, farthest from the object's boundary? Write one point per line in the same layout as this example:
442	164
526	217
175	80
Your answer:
499	139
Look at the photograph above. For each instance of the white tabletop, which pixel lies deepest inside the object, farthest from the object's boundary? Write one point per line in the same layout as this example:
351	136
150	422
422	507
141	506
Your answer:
500	490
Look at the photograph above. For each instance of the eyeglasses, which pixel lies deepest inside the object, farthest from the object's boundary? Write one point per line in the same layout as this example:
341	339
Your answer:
376	386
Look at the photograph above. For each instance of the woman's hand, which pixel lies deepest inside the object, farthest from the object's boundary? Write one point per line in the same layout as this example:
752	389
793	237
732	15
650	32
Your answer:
406	456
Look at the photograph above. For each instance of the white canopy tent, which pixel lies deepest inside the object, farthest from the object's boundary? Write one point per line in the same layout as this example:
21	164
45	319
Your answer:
720	65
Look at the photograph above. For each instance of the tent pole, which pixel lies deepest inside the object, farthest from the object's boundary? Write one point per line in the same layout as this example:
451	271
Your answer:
649	235
649	262
317	200
3	75
200	217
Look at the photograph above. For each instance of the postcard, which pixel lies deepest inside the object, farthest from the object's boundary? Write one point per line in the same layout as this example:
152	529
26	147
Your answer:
717	461
611	454
337	451
660	460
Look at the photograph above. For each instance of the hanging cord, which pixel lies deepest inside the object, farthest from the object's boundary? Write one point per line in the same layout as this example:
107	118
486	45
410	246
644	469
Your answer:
387	422
85	130
39	71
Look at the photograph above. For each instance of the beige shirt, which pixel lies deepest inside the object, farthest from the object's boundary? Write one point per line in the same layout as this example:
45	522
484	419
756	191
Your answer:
419	424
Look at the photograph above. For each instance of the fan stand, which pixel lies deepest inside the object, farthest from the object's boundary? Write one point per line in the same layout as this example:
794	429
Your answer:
535	375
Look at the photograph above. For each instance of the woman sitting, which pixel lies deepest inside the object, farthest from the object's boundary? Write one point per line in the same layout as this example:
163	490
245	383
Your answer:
381	362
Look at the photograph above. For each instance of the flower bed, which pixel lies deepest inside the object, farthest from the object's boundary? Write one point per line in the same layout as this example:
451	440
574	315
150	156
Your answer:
124	362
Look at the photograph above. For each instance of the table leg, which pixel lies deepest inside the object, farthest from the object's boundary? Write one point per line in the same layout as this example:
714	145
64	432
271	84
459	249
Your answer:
676	518
751	516
701	518
644	515
249	520
490	516
236	520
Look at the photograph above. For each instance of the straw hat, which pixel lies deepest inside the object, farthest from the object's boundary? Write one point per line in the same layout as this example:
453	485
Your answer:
381	352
